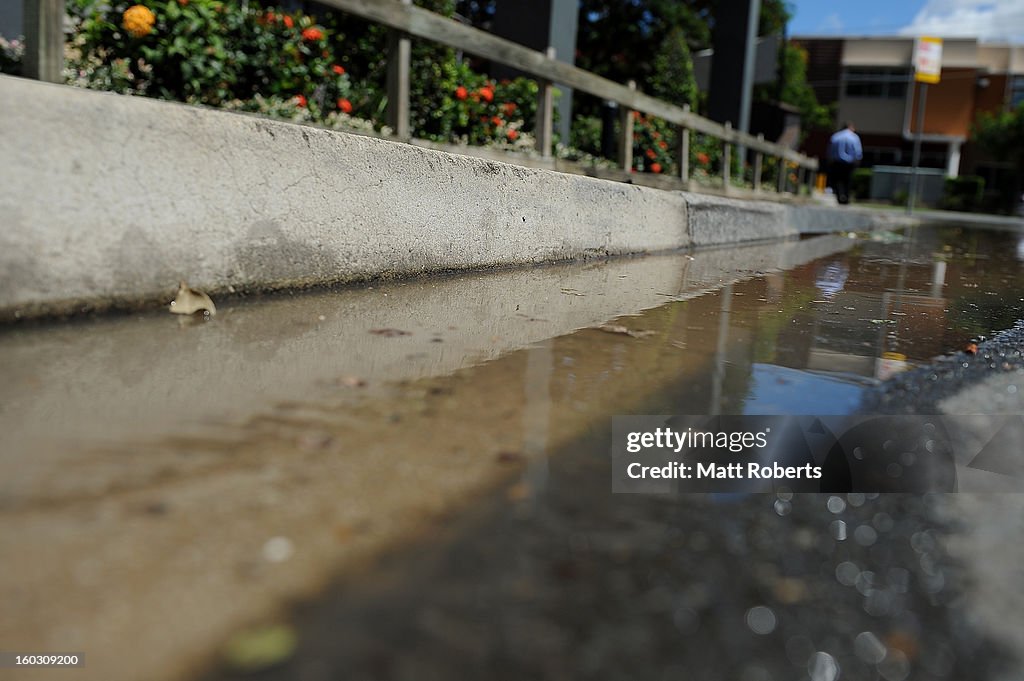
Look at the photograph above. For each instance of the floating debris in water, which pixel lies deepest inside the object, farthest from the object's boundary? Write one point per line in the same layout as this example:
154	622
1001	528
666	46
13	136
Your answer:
190	301
615	328
261	647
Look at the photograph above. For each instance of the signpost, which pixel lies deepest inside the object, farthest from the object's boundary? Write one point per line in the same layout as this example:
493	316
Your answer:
927	69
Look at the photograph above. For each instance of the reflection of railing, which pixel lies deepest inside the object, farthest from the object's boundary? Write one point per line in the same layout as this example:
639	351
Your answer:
45	52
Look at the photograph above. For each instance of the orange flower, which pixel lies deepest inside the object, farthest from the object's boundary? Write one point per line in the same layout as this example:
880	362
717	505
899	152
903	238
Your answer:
300	100
461	93
138	20
512	135
345	105
650	154
487	94
510	108
663	145
703	158
288	21
496	120
655	167
312	34
339	69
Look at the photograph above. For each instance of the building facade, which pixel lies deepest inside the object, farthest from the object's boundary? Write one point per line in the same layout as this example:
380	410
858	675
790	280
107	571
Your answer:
869	81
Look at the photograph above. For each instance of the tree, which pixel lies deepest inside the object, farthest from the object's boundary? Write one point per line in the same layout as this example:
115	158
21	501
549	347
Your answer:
672	78
1002	135
795	89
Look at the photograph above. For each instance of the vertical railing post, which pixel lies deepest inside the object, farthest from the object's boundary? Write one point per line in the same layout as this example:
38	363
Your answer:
727	156
44	40
758	160
626	133
801	173
399	58
781	179
684	150
546	113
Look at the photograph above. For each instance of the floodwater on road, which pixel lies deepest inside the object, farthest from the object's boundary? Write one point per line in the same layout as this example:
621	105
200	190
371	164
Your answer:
411	480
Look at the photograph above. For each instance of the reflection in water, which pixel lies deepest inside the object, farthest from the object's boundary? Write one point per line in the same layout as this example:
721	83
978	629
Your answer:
501	392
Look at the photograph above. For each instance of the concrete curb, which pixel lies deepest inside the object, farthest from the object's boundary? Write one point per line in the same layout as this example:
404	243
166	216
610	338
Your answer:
111	200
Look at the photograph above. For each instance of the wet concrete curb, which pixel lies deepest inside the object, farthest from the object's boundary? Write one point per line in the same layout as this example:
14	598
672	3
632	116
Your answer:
108	201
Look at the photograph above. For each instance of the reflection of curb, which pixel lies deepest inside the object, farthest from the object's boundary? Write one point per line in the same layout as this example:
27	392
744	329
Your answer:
111	200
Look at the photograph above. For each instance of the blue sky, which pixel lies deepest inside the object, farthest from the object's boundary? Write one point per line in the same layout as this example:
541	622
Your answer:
998	20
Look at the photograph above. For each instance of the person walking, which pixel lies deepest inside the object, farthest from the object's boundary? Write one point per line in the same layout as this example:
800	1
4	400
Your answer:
844	153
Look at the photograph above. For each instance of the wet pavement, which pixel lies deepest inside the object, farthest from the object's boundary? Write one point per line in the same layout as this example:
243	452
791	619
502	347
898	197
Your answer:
412	481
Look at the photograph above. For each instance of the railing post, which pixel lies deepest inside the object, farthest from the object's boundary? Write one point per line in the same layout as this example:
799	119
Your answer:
399	57
781	179
758	160
546	113
801	173
626	133
44	40
726	156
684	150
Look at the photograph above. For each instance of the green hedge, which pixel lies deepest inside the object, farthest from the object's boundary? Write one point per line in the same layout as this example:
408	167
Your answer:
964	193
860	183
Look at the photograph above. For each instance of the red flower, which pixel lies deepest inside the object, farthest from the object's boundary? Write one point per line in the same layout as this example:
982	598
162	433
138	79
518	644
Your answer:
300	100
703	158
510	108
461	92
512	135
345	105
312	34
487	94
269	18
650	154
339	69
655	167
497	120
663	145
288	21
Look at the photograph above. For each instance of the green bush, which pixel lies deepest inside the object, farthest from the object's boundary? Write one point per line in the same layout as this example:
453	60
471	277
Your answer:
860	183
207	52
11	54
965	193
290	65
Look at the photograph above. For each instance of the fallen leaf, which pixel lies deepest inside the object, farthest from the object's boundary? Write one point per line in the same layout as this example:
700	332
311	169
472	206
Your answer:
190	301
389	333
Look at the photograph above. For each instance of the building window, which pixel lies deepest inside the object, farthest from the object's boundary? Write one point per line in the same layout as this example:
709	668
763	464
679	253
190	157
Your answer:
876	82
1016	92
882	156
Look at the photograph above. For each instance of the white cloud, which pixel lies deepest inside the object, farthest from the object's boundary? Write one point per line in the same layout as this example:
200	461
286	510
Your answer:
1001	20
831	24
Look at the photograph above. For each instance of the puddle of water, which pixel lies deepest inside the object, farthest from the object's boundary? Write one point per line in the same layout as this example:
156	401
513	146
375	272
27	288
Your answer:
205	474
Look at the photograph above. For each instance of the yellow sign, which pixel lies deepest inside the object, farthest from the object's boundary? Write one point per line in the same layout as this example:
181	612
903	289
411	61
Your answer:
927	60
